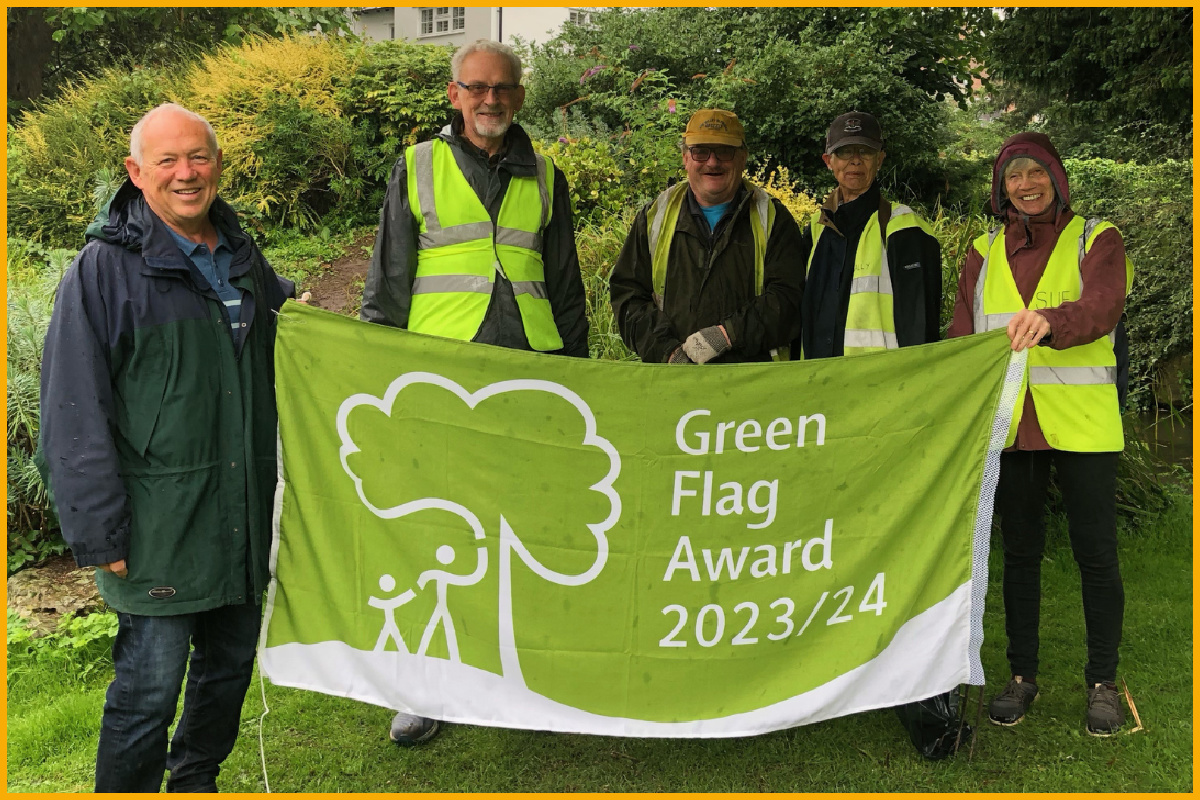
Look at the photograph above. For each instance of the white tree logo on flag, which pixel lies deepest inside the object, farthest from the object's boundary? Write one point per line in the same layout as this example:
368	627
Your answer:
509	540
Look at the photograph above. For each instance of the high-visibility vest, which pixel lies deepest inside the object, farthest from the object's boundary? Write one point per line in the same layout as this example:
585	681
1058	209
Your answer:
663	216
870	322
1074	390
459	253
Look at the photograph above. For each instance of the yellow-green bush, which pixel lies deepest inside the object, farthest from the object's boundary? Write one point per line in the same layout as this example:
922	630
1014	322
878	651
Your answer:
779	184
285	139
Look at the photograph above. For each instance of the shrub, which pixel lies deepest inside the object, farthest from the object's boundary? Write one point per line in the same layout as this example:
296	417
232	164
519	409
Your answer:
395	98
31	521
287	145
598	185
1152	206
56	151
779	185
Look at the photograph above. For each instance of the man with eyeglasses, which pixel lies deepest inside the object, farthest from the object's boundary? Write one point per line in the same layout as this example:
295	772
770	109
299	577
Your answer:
475	239
708	273
873	270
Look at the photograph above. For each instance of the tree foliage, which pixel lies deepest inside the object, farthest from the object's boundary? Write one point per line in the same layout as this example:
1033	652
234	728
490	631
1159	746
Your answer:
1113	82
786	72
65	44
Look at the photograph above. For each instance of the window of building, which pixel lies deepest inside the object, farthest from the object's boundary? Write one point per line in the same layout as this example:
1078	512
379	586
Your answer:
443	19
392	31
580	17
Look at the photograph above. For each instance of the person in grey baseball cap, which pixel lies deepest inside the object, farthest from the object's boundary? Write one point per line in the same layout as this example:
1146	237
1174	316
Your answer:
873	282
859	234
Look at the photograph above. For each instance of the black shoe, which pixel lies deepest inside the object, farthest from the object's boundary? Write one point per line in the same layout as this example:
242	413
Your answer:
1009	707
409	729
1104	715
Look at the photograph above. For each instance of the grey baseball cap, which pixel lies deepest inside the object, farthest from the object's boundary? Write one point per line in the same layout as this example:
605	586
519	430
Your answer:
856	127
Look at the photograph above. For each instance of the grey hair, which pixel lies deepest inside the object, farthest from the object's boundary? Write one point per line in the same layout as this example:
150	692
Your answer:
1020	162
486	46
135	136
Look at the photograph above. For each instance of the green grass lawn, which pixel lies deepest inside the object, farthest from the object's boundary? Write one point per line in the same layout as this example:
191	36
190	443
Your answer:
315	743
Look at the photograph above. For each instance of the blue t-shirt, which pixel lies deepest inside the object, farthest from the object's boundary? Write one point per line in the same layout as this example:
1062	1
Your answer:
214	266
714	213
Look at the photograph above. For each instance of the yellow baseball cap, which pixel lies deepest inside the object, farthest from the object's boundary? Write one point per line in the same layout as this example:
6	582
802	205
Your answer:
714	126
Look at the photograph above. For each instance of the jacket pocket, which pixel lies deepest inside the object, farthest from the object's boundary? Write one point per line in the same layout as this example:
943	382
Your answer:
179	549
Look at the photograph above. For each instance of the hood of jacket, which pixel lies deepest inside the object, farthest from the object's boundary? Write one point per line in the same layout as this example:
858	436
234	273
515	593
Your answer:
1038	147
129	222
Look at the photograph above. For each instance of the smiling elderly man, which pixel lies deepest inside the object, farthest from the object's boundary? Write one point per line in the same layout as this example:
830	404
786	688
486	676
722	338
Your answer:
158	431
476	241
873	270
708	272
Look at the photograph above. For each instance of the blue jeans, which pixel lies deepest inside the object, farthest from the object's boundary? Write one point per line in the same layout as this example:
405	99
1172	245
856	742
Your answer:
150	655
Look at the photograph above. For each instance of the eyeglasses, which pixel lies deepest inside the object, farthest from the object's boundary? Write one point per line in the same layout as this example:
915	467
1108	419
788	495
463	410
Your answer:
702	152
478	90
854	151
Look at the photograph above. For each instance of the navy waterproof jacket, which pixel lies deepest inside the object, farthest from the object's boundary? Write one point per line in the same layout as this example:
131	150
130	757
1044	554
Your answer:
158	426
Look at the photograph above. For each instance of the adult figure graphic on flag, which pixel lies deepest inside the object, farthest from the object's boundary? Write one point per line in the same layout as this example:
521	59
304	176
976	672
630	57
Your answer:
476	240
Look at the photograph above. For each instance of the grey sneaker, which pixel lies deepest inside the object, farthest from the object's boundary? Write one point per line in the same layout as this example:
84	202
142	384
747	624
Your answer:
1009	707
1104	715
409	729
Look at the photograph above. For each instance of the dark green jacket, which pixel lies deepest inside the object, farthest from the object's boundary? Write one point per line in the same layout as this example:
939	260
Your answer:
158	426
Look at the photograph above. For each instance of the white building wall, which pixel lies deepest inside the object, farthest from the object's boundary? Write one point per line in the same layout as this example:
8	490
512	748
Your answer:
531	23
375	24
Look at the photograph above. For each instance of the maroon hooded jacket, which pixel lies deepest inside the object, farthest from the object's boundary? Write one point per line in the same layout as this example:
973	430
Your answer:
1028	242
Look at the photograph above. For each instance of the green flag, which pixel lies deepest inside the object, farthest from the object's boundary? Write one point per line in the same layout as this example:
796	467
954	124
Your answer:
497	537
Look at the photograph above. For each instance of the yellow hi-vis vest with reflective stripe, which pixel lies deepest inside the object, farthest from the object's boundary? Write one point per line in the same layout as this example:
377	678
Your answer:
663	216
870	322
1074	390
459	253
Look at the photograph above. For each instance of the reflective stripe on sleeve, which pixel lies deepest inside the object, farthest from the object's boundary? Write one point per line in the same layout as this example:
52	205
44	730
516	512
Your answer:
1073	376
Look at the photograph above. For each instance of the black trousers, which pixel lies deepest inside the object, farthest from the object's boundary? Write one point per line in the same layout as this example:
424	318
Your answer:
1088	482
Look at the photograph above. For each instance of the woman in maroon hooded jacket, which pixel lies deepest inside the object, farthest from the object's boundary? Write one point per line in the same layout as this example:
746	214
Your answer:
1071	279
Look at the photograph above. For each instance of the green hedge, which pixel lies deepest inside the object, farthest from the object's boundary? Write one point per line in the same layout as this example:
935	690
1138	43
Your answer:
1152	206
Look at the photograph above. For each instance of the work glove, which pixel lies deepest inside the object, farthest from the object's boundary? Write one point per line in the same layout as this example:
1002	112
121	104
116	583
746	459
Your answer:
706	344
679	357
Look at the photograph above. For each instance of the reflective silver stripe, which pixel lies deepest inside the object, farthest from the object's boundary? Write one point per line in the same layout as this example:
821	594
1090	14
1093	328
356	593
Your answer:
866	338
763	201
980	318
535	289
870	283
455	234
993	322
660	214
544	192
901	210
423	166
434	284
1073	376
515	237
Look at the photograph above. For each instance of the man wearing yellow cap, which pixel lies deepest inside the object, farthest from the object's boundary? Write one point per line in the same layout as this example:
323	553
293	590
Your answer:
708	272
